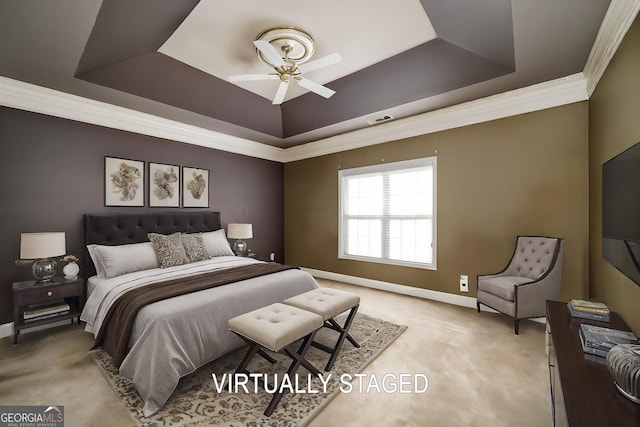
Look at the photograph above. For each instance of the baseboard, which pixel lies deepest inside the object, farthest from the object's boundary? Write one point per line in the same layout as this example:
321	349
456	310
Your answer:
429	294
396	288
6	329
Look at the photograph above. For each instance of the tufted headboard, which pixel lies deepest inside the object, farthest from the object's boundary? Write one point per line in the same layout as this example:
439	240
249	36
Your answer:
124	228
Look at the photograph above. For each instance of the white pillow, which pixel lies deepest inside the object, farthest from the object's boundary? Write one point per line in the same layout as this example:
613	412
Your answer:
216	243
113	261
97	262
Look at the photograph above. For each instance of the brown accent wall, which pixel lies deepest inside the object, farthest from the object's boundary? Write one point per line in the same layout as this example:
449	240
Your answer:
526	174
614	125
53	172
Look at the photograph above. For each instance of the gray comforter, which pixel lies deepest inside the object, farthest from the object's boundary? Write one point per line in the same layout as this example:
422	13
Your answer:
174	337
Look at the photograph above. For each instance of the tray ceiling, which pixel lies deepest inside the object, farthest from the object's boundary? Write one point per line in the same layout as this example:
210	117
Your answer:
172	59
363	32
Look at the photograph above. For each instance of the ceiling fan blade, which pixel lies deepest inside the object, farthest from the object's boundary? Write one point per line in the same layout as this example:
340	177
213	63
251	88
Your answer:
334	58
282	91
315	87
250	77
269	52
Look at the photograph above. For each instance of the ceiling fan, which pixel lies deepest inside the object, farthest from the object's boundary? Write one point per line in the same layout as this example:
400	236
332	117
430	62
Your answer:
287	50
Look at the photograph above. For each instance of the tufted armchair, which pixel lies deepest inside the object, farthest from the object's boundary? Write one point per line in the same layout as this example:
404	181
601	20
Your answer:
533	276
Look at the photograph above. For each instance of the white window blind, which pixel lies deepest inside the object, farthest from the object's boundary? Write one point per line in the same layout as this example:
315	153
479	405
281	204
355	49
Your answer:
387	213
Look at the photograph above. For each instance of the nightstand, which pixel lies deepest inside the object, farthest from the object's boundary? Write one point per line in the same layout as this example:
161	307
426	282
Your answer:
36	299
253	255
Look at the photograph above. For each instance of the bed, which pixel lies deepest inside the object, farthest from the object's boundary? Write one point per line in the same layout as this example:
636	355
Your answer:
173	337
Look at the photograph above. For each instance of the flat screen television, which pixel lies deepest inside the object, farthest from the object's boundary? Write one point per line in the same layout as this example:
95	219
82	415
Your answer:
621	212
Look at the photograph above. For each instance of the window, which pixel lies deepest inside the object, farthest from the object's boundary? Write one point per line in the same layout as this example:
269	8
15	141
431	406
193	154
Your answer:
387	213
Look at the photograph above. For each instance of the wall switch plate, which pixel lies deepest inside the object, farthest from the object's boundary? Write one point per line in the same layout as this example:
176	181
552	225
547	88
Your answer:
464	283
272	256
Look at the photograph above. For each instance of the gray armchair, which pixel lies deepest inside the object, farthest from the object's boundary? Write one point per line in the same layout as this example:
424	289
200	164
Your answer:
533	276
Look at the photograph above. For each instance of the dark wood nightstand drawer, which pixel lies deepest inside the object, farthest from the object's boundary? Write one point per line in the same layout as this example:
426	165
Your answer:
48	293
59	290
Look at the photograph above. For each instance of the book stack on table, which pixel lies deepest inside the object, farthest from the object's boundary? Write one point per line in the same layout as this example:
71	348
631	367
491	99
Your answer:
598	340
46	311
589	310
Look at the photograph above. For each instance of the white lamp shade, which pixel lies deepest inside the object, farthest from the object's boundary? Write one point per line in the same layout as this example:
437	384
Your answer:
42	245
240	231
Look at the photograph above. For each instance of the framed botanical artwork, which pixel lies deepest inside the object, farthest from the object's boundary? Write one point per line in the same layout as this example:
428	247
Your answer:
195	187
164	185
123	182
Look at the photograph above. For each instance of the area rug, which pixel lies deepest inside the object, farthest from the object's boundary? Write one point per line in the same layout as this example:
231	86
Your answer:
198	402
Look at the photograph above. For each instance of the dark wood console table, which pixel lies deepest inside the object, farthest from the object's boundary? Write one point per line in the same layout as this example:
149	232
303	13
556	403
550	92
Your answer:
582	389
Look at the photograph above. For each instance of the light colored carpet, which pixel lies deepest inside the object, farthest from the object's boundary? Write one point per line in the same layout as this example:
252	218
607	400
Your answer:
196	402
480	373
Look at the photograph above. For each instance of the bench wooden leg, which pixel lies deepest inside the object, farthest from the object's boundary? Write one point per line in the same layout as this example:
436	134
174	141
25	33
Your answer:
297	359
344	334
253	349
341	338
349	337
266	356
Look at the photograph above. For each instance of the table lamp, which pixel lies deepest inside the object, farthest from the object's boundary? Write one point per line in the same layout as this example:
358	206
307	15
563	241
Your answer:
239	232
40	247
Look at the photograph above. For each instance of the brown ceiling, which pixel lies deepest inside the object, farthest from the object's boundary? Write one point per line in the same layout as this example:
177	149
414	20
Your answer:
108	50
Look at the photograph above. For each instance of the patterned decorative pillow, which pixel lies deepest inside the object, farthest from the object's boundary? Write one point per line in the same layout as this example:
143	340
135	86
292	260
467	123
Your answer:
194	247
169	249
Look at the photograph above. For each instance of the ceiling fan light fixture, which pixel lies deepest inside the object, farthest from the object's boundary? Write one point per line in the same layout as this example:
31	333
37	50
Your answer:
286	50
294	44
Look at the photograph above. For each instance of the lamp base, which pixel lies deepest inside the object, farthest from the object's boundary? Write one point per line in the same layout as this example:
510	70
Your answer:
44	269
239	248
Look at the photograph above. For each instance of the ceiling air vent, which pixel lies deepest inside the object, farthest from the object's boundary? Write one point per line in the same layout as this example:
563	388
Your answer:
381	119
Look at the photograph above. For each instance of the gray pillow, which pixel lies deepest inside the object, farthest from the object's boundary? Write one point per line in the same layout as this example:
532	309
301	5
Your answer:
216	243
194	247
169	249
112	261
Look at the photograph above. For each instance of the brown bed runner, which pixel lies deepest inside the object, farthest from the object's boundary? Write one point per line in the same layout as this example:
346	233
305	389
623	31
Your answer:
116	329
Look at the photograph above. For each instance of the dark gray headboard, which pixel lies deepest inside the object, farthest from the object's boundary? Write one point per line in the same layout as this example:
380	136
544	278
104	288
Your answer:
124	228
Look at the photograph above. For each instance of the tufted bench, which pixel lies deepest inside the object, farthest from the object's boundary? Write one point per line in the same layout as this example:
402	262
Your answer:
277	327
328	303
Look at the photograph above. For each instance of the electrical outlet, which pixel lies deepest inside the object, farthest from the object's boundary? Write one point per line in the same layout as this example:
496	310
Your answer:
272	256
464	283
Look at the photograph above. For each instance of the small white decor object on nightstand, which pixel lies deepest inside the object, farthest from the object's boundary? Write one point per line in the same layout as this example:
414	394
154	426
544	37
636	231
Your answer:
72	269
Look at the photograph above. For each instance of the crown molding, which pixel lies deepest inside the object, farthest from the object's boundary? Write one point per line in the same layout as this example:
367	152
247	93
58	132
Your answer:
578	87
614	27
549	94
38	99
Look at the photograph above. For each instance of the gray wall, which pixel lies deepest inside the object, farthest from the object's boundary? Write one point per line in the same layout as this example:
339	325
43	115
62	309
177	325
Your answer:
53	172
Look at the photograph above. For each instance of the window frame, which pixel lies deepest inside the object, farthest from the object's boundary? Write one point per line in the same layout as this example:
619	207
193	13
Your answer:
381	168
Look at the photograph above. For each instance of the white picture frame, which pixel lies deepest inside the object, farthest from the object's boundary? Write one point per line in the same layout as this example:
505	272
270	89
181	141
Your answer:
123	182
195	187
164	185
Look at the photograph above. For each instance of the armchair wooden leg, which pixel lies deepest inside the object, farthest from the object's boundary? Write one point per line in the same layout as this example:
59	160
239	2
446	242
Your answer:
478	304
516	325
